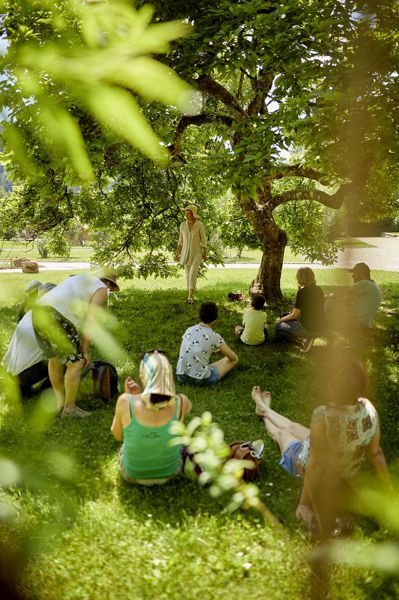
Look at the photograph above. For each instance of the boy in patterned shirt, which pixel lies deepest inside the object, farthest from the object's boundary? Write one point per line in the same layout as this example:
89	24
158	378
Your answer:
199	342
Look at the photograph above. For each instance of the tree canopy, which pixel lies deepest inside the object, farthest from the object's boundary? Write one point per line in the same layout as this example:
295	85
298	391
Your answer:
295	110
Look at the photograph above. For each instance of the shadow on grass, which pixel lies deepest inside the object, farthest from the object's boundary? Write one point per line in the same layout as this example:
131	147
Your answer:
151	319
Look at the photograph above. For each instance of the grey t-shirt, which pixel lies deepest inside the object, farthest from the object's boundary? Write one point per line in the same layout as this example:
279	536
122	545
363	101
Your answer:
366	299
198	344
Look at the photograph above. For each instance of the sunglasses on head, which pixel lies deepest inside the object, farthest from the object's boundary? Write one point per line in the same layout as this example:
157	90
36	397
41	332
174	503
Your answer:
159	350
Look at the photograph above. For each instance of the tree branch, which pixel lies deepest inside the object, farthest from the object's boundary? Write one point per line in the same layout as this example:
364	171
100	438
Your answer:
261	86
298	171
175	147
332	201
213	88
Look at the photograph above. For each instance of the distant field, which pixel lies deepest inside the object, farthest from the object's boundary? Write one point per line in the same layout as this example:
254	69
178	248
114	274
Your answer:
354	243
10	249
13	249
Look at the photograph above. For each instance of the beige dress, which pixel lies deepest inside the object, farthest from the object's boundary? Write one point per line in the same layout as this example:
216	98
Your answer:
192	243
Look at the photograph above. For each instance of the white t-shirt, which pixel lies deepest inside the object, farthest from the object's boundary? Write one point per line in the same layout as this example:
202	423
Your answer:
198	344
72	296
23	350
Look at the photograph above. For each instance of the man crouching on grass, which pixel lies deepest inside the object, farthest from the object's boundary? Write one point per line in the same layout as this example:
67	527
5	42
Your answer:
58	322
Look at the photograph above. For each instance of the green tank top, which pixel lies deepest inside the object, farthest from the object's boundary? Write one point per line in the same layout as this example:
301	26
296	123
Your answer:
146	450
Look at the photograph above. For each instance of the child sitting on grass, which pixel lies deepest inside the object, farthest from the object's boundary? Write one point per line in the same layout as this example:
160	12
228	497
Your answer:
253	330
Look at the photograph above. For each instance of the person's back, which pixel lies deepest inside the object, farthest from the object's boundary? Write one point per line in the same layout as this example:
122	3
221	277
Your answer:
147	450
349	429
310	300
65	297
199	342
253	320
365	301
143	421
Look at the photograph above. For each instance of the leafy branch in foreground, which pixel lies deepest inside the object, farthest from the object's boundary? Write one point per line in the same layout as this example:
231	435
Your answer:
206	441
70	56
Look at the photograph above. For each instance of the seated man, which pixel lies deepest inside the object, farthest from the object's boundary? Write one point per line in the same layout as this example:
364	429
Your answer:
354	307
365	295
199	342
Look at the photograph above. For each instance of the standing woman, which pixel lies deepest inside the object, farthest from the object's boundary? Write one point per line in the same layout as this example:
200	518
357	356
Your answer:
191	249
307	319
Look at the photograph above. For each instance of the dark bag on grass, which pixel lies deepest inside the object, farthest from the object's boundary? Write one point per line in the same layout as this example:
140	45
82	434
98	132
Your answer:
235	296
251	451
105	379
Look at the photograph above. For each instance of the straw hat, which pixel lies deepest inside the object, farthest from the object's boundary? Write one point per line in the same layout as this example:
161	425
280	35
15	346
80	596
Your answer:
109	275
193	209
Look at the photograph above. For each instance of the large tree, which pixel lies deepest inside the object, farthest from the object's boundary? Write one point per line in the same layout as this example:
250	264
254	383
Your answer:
273	79
317	77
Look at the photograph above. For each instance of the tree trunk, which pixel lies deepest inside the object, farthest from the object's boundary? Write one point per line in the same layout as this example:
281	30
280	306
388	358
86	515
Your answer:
274	241
269	274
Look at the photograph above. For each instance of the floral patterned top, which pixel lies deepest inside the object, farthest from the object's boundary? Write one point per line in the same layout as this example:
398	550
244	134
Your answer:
349	430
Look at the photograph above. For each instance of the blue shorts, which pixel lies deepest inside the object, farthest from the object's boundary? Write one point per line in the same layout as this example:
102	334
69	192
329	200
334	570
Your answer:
288	460
213	378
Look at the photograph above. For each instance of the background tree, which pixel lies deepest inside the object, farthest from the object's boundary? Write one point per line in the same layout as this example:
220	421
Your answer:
273	78
282	75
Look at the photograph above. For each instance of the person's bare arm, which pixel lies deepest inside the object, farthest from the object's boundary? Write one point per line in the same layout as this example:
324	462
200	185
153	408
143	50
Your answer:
293	316
117	425
97	299
228	352
186	406
314	466
179	245
376	457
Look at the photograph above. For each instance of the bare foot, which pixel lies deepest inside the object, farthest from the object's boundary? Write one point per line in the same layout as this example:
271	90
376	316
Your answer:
261	404
267	398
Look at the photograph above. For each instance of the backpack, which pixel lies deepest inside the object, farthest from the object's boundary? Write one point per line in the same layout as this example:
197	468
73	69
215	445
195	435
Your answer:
105	379
251	451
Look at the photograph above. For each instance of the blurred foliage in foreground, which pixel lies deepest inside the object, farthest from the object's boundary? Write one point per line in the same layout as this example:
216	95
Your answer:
73	67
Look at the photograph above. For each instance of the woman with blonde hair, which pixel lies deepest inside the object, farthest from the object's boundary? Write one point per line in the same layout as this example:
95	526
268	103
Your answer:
307	318
142	421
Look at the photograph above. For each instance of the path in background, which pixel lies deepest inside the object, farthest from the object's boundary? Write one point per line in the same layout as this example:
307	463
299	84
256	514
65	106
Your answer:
383	257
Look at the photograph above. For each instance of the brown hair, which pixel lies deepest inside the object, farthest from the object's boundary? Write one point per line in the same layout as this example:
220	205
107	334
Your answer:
305	276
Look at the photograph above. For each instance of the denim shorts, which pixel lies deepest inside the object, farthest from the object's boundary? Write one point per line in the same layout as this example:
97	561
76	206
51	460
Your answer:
288	460
213	378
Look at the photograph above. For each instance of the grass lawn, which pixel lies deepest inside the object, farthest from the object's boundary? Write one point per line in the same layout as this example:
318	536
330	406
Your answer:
90	536
348	242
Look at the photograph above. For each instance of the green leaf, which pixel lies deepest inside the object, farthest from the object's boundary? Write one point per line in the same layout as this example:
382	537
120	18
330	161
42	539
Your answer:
118	111
62	130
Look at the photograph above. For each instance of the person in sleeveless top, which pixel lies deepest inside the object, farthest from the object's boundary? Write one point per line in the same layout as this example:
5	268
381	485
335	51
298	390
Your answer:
342	433
142	421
